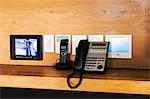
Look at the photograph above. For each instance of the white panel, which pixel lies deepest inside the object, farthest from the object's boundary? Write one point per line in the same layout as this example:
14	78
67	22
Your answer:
48	43
95	38
75	41
120	46
58	38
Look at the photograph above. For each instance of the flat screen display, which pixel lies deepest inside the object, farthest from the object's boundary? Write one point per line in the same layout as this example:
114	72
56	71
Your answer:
118	44
98	44
26	47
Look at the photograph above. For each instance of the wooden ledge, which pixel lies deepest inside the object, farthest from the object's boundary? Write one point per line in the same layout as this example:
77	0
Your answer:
89	85
43	79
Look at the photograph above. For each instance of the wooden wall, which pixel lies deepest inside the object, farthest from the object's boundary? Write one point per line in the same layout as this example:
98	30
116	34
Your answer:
77	17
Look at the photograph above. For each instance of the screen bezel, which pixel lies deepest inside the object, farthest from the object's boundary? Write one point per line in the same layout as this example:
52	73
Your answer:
39	55
125	55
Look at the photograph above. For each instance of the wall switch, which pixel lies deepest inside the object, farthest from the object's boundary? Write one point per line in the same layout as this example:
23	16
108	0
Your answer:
48	43
95	38
75	41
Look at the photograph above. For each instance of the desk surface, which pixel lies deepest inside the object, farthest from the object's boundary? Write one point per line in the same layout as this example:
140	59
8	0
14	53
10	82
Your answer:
126	81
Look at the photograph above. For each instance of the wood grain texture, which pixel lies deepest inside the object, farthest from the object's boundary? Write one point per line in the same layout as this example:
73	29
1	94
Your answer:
128	81
59	83
77	17
122	74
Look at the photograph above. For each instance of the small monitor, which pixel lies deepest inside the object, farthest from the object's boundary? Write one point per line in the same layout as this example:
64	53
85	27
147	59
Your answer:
120	46
26	47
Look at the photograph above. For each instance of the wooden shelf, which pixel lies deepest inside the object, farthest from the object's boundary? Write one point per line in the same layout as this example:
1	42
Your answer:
126	81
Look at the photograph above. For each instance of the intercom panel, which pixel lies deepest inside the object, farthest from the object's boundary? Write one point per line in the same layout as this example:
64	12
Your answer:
120	46
96	57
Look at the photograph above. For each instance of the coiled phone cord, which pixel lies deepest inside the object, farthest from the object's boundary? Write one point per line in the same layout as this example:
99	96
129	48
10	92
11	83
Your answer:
71	76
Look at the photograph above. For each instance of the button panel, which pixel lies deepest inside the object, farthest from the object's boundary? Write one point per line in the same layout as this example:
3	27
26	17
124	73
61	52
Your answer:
96	57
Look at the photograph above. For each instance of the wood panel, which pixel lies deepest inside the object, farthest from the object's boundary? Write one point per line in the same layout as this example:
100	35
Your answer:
77	17
129	81
44	71
108	86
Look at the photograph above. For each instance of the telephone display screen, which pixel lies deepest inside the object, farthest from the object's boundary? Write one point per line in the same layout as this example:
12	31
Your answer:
118	44
63	47
98	44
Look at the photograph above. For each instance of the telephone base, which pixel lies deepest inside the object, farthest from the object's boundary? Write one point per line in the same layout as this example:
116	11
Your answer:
95	72
63	66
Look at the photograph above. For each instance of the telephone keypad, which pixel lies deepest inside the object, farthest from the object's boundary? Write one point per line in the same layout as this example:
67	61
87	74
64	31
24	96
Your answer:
96	57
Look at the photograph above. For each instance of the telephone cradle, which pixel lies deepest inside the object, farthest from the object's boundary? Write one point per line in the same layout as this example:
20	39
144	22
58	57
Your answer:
64	60
64	66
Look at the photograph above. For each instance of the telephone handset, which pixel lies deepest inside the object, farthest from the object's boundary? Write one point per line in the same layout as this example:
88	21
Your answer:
80	59
64	60
81	54
90	57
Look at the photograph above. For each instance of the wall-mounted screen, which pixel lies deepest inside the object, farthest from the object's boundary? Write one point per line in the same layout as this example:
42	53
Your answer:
26	47
120	46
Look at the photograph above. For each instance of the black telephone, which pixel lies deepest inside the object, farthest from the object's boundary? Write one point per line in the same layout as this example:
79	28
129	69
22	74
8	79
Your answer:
90	57
64	61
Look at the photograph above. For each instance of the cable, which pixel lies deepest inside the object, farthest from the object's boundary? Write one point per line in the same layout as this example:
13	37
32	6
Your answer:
71	76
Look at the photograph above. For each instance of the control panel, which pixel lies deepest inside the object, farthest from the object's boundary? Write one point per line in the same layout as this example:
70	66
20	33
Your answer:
96	57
